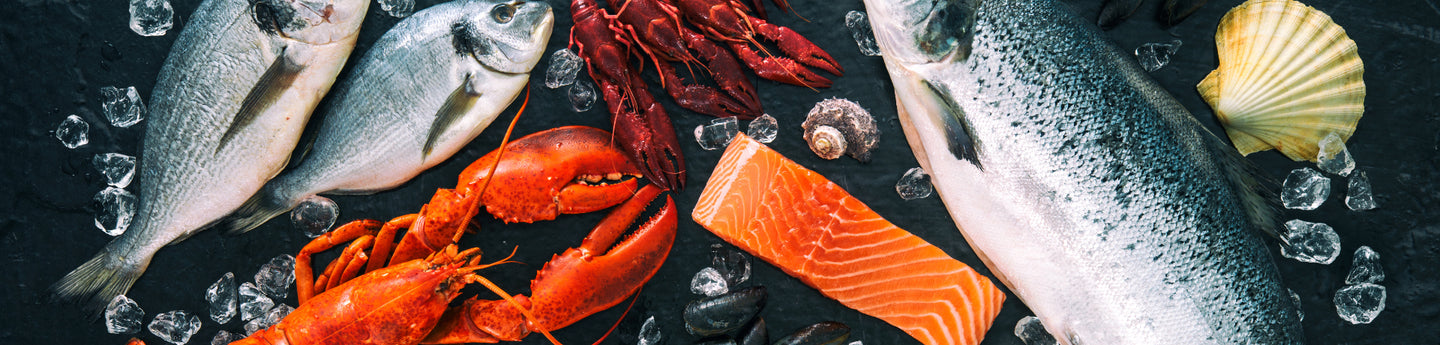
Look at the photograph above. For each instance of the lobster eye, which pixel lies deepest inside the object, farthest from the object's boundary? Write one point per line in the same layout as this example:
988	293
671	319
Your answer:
503	13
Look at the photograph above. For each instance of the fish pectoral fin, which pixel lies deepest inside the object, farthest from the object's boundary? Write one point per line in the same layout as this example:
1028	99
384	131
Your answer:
266	92
957	132
456	106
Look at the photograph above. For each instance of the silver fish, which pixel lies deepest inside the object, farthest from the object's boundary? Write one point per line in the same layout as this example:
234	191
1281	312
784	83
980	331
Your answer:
228	108
1088	190
428	87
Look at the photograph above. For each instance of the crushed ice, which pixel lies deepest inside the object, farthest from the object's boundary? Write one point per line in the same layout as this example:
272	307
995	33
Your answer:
1333	157
275	277
123	315
915	184
1299	308
859	25
1360	303
733	265
1315	243
253	302
151	17
1365	268
115	209
1031	332
118	169
1359	196
708	282
564	66
221	297
224	337
123	108
582	96
73	132
717	134
175	326
315	215
649	333
1154	56
1305	189
397	8
763	129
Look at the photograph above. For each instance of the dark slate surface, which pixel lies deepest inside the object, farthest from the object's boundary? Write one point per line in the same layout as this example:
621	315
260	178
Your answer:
56	54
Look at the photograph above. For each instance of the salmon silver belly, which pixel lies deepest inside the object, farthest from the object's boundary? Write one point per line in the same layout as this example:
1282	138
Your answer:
1088	190
427	87
227	110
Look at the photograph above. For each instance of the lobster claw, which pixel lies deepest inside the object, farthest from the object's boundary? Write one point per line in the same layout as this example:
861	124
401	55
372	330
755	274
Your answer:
739	99
575	284
646	134
797	47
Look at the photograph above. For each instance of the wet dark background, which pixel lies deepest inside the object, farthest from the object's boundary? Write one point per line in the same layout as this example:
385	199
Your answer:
56	54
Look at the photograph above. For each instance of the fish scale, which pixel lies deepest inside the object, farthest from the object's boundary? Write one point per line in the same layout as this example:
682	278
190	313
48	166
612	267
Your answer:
1091	192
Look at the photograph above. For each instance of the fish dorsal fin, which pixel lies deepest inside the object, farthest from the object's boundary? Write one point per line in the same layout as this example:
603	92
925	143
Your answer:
456	106
263	95
961	140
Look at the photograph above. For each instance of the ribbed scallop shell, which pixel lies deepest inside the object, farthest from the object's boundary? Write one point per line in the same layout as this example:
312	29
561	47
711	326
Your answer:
1288	76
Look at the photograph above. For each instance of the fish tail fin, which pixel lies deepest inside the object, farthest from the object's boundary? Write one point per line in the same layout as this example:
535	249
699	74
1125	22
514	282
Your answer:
96	282
261	207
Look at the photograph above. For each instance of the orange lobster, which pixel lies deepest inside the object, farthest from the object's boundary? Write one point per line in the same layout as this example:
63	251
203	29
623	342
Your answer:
403	300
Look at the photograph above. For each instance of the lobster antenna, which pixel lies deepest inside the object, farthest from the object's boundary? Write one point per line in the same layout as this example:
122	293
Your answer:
622	318
499	153
526	311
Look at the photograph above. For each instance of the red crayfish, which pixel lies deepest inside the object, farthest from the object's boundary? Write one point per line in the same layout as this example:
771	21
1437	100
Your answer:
404	296
606	42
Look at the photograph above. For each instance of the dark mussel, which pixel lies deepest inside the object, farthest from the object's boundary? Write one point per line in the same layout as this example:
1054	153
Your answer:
724	313
756	334
824	333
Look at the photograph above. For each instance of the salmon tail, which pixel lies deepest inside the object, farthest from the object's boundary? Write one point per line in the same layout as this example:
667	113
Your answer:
99	280
254	212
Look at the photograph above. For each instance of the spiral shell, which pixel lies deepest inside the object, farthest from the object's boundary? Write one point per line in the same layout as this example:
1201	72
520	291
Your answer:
839	126
1288	76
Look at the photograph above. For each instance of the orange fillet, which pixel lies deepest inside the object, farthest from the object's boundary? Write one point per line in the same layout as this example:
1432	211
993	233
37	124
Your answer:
799	221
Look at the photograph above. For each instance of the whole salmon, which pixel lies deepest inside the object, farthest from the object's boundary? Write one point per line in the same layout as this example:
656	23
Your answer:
227	110
426	88
1089	191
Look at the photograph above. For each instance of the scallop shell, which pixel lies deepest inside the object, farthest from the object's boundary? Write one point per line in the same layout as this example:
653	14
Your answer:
1288	76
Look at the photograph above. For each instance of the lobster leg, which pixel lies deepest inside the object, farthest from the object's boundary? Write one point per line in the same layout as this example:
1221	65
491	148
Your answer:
577	283
305	274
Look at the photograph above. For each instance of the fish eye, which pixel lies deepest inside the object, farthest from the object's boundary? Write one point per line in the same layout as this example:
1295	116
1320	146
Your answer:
503	13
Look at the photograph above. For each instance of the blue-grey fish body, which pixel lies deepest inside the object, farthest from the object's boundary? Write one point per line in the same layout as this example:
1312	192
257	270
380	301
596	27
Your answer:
424	90
1084	186
228	107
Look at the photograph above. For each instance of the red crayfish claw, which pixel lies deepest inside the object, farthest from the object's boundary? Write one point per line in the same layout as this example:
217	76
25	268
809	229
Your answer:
655	27
728	20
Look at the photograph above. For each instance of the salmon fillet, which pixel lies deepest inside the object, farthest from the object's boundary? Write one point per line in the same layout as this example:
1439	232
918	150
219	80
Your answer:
807	226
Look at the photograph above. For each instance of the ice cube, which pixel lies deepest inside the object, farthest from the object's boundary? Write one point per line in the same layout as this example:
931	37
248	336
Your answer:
151	17
221	296
276	276
857	342
564	66
708	282
1360	303
1359	196
1316	243
73	132
732	264
1299	308
1334	158
717	134
1031	332
115	209
253	302
859	26
123	107
915	184
1305	189
315	215
582	96
1154	56
649	333
272	317
398	8
1365	268
763	129
123	315
175	326
224	337
118	169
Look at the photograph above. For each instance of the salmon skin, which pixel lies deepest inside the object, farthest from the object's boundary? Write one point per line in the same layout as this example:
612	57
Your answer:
1084	186
807	226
